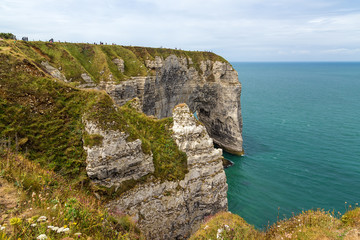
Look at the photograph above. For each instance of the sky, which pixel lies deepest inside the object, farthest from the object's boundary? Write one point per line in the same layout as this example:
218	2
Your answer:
238	30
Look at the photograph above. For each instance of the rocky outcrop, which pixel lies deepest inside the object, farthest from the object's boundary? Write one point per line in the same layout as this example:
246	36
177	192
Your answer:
54	72
127	90
154	64
173	210
212	91
115	160
120	64
89	83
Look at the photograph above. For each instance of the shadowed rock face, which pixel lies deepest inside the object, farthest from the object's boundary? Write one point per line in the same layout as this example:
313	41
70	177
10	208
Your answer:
213	92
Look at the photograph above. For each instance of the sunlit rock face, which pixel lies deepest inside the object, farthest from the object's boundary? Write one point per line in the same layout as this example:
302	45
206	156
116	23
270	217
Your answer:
175	209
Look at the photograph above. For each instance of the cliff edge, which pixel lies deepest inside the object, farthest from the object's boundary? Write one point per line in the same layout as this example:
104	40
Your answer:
212	92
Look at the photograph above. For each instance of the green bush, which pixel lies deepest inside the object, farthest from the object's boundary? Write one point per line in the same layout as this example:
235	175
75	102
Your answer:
7	36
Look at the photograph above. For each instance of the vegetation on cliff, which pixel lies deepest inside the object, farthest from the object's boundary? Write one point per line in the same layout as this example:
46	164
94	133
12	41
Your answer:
44	117
311	224
7	36
36	202
97	62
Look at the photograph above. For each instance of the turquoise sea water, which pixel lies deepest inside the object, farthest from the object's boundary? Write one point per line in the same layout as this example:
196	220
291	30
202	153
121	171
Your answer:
301	130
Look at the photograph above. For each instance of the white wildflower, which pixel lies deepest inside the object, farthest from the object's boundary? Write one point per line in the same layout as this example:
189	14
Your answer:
42	219
227	227
2	228
33	225
42	237
206	227
77	234
63	230
219	231
50	227
55	228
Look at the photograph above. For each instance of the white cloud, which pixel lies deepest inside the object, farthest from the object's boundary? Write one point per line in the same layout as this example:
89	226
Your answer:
236	29
342	51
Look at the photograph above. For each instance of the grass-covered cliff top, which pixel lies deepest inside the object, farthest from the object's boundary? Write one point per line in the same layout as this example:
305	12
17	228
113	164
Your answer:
309	225
74	59
42	117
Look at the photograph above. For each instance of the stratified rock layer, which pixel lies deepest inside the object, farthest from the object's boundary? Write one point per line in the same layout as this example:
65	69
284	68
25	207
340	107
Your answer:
212	91
173	210
115	160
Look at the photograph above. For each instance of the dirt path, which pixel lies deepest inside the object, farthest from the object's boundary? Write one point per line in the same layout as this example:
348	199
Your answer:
9	198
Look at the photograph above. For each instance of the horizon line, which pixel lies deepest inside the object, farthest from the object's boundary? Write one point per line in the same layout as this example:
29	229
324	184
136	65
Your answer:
291	61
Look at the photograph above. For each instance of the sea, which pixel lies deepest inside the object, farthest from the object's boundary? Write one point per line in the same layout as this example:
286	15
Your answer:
301	131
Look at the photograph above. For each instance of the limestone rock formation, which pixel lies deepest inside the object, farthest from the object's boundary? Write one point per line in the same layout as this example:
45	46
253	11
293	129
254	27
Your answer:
173	210
127	90
154	64
212	91
89	83
120	64
115	160
53	71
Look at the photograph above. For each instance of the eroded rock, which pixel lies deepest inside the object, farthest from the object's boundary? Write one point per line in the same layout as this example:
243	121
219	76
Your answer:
115	160
174	209
120	64
154	64
54	72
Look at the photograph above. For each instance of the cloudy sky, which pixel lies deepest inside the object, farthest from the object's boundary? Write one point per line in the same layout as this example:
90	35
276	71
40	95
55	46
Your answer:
239	30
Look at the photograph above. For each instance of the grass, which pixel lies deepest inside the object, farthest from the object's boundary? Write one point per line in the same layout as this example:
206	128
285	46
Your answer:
196	56
225	225
309	225
91	140
74	59
46	193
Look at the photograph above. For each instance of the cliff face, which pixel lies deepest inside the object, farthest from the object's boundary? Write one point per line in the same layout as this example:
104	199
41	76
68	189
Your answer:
174	209
212	91
163	172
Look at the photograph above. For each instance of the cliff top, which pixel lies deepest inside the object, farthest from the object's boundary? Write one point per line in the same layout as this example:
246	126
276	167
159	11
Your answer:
99	61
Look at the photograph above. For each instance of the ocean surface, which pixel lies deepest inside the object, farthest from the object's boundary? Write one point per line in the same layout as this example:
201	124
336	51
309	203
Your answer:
301	130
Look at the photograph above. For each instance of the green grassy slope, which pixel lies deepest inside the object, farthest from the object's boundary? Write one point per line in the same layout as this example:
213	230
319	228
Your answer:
44	115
